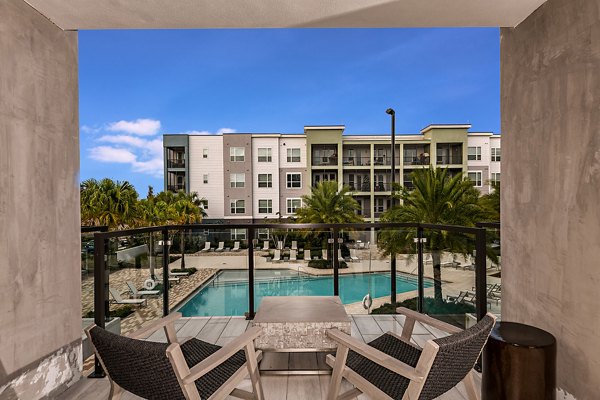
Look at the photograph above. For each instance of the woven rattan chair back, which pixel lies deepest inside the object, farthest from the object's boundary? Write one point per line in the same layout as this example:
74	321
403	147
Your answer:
140	367
456	357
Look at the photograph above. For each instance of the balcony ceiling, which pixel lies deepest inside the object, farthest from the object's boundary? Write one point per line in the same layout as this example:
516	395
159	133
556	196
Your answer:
189	14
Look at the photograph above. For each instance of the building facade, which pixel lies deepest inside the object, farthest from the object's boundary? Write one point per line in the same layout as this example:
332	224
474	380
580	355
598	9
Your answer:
250	177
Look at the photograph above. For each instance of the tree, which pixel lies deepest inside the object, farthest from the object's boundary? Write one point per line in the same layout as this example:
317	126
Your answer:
152	212
108	202
328	204
437	198
491	204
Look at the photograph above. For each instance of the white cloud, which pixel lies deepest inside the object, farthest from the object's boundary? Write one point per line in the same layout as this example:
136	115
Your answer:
89	129
112	154
124	139
142	127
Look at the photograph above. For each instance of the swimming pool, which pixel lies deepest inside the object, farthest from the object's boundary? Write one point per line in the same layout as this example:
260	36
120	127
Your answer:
227	293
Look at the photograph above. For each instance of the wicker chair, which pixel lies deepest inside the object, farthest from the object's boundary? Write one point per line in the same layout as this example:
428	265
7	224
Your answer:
192	369
390	367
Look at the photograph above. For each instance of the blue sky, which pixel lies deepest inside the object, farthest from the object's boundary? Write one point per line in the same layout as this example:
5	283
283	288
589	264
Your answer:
137	85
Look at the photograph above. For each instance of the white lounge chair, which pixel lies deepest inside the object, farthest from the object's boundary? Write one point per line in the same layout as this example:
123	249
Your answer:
119	300
236	246
265	245
172	279
340	258
280	245
294	245
293	255
325	254
306	255
353	256
206	247
139	293
221	247
276	256
178	274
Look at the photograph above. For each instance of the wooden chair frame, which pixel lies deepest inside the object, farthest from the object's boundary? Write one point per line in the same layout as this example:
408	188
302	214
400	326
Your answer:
187	376
417	375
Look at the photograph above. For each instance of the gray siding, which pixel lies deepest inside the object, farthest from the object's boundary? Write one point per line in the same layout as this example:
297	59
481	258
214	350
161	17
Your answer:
233	167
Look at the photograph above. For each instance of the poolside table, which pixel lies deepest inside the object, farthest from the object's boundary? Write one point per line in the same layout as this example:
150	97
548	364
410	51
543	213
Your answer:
298	324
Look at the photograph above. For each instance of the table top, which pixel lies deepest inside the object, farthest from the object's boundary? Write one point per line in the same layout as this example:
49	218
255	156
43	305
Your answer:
521	335
278	309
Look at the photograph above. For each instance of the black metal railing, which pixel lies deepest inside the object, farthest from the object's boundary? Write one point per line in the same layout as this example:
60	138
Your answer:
382	187
356	161
449	160
335	232
325	161
175	163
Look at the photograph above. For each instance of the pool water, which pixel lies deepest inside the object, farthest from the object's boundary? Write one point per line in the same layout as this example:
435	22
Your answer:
227	293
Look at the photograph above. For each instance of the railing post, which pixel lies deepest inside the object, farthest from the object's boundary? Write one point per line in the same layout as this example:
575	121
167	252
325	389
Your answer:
336	263
166	285
250	314
420	270
480	275
100	294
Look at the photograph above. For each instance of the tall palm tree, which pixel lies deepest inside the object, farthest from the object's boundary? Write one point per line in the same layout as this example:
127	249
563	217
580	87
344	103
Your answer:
437	198
152	212
328	204
186	209
108	202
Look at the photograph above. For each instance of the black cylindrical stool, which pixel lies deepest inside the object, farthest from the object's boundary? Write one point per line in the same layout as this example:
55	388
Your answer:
519	363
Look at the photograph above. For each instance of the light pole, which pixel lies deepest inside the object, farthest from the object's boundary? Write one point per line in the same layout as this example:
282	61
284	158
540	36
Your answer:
391	112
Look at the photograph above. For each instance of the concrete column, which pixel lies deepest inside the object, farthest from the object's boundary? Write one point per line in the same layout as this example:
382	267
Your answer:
550	67
40	278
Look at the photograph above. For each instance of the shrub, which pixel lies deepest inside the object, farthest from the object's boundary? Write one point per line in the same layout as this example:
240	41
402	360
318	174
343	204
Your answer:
120	312
325	264
191	271
430	305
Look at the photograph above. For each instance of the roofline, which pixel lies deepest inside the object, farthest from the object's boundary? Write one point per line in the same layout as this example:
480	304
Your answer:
322	127
445	126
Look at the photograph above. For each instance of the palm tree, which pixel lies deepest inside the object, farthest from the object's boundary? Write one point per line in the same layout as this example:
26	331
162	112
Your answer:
328	204
108	202
152	212
186	209
437	198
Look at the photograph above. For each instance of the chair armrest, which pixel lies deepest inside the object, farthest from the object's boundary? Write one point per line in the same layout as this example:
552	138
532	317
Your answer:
223	354
426	319
154	326
375	355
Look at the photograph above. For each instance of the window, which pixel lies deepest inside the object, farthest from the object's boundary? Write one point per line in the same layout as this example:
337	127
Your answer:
379	204
474	154
263	233
265	206
204	153
293	205
293	155
238	206
205	204
495	178
496	154
475	177
238	234
205	178
236	153
237	180
264	154
294	180
265	180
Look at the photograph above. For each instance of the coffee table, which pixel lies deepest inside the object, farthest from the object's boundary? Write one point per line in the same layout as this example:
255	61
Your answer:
298	324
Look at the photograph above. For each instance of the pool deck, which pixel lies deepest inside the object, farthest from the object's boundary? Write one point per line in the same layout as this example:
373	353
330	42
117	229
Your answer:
221	330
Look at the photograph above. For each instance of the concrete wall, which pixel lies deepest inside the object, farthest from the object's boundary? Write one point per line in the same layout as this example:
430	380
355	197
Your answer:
550	68
40	280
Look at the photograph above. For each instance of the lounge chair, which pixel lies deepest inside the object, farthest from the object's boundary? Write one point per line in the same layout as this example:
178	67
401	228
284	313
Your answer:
353	256
265	245
119	300
206	247
392	367
293	255
221	247
172	279
340	258
178	274
190	369
276	256
236	246
294	245
280	245
324	253
306	255
139	293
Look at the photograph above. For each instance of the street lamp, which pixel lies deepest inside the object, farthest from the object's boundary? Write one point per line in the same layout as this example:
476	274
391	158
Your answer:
391	112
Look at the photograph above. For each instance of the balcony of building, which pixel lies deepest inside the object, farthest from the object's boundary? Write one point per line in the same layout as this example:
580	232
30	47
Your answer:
357	180
382	155
449	153
416	155
324	155
175	157
356	156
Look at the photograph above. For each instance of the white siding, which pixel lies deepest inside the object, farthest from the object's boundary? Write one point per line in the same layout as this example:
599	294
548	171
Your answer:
265	168
213	166
288	142
495	166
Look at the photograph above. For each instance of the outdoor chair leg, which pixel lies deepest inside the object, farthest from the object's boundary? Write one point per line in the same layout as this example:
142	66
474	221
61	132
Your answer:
115	391
470	387
336	376
254	372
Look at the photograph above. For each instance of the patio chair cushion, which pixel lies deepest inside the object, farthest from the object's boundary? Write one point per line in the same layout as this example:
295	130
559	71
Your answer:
389	382
142	367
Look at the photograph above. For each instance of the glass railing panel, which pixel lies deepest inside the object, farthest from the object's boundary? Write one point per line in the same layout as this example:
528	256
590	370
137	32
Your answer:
450	276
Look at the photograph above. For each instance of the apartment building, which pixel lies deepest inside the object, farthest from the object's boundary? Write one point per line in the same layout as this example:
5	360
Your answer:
248	177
